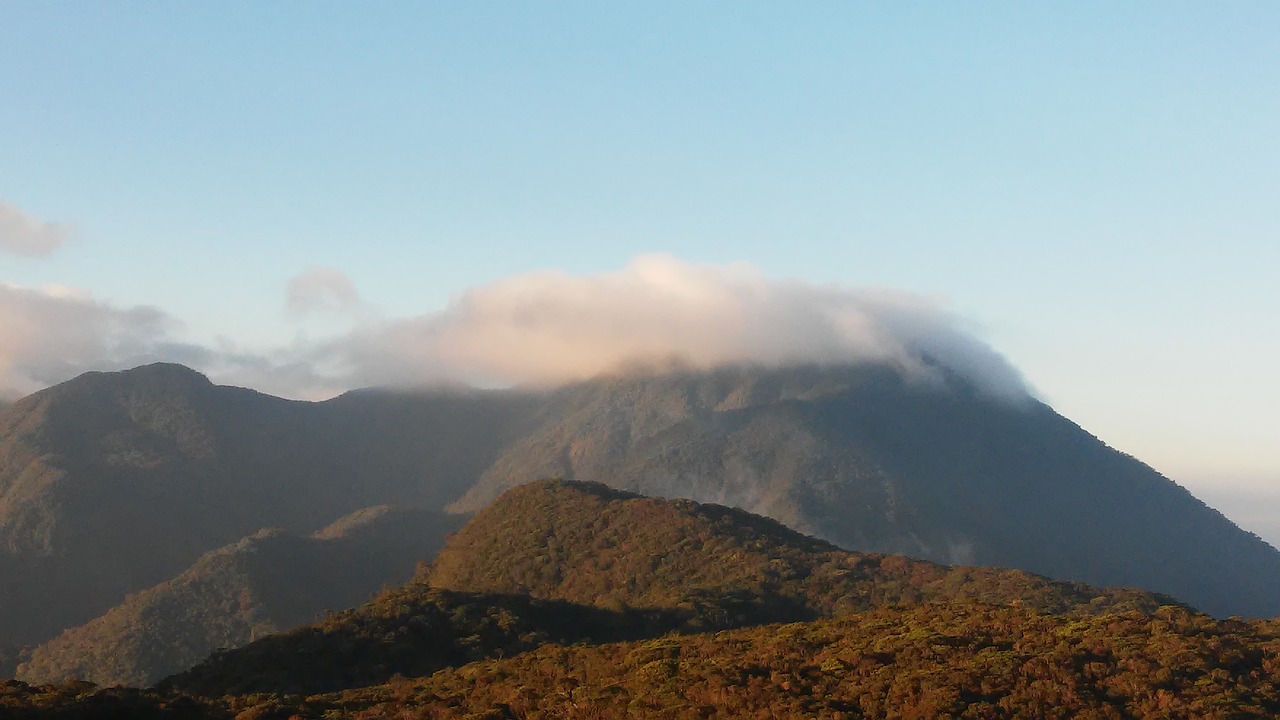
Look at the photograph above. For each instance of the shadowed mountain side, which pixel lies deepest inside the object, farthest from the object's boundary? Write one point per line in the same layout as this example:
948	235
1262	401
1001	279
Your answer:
860	457
113	482
263	584
410	631
10	658
590	544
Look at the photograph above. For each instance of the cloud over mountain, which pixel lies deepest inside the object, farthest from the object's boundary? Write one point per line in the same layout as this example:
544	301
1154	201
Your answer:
53	333
539	328
23	234
550	327
50	334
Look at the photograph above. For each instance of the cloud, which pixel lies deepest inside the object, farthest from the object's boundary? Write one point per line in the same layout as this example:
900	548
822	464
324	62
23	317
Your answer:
23	234
540	328
550	327
321	289
52	334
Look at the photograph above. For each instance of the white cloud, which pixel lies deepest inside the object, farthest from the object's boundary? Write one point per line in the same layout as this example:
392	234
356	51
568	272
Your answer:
539	328
550	327
23	234
52	334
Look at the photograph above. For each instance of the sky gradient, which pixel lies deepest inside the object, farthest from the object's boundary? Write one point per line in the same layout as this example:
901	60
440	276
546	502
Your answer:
1089	188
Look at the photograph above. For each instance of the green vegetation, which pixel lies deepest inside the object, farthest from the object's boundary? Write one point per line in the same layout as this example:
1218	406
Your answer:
909	639
557	562
589	544
950	660
114	486
84	701
869	461
953	660
410	631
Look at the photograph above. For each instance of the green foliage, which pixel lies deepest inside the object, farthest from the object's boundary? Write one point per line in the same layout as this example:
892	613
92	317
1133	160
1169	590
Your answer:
556	562
589	544
937	660
84	701
410	631
958	659
909	639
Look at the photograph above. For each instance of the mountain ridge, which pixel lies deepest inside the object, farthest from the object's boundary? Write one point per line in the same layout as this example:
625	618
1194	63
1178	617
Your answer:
114	482
568	562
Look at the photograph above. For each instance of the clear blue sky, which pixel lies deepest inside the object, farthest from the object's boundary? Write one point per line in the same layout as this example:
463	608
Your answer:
1095	185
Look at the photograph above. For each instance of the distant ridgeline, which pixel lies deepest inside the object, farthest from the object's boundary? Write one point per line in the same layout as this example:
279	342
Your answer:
128	484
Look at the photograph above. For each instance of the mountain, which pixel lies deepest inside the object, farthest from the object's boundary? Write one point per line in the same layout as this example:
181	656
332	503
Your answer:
115	482
590	544
563	562
869	460
263	584
912	639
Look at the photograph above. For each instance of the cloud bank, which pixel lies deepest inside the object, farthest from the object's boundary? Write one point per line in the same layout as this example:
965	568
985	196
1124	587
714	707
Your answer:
549	327
51	334
23	234
541	328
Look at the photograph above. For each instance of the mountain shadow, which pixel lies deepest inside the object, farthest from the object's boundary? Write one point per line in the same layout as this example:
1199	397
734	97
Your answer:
266	583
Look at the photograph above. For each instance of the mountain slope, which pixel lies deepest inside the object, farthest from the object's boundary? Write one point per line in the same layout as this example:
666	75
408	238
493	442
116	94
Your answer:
863	458
265	583
409	631
568	562
113	482
590	544
956	659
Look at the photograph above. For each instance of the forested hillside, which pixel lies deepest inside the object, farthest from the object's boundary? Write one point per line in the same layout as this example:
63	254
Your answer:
569	562
958	660
266	583
588	543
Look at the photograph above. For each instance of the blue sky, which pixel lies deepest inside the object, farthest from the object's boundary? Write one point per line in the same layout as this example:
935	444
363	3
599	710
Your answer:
1092	186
